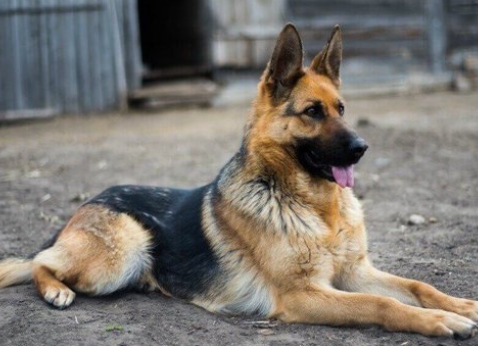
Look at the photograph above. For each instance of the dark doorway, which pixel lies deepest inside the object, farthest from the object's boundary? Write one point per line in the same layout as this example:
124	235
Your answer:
175	38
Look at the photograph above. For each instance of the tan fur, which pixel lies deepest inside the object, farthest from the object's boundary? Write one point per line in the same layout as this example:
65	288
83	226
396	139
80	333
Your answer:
14	271
98	252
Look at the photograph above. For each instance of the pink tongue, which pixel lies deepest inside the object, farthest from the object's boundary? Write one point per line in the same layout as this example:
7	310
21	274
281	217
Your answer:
344	176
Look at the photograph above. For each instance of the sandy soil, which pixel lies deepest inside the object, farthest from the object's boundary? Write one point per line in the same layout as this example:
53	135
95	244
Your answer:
422	160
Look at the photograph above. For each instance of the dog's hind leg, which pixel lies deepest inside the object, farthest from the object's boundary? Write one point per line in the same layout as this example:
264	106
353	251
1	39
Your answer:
97	253
51	289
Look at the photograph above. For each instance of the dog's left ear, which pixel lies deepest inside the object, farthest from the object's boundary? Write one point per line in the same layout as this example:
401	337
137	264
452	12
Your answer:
327	62
285	66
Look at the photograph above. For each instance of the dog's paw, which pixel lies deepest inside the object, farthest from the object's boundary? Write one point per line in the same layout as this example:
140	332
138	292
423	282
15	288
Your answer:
444	323
465	307
59	297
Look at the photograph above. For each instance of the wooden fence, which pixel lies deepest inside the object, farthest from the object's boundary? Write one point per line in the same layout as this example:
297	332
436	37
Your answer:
67	56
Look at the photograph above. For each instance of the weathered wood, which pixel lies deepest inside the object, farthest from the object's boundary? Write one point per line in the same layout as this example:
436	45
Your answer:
25	114
122	90
462	24
187	91
66	55
131	45
436	34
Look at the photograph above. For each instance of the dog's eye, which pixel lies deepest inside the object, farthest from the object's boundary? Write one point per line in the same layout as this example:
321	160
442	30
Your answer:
341	108
315	112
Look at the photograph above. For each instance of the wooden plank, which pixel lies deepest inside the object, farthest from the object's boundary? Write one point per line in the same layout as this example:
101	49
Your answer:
69	73
175	93
44	57
6	88
33	79
122	90
94	68
17	72
83	64
53	48
436	34
131	46
177	89
107	69
58	7
25	114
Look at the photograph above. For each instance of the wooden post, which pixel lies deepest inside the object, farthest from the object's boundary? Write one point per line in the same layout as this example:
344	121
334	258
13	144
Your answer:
437	34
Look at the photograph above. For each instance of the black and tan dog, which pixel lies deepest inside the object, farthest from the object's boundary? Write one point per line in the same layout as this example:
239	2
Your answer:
278	233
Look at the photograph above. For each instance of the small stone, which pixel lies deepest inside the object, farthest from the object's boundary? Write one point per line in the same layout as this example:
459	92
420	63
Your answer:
33	174
416	219
102	164
265	331
461	83
363	122
432	219
470	63
45	198
81	197
382	162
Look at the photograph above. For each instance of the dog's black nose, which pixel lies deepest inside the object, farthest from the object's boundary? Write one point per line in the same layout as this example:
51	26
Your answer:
358	147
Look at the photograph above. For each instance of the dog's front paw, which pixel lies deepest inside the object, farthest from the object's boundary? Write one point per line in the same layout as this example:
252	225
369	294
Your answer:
465	307
444	323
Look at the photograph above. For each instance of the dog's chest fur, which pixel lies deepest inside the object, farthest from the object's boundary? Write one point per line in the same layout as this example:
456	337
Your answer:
259	225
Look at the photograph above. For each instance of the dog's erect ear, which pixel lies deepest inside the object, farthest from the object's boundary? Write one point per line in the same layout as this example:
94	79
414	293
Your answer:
327	62
285	66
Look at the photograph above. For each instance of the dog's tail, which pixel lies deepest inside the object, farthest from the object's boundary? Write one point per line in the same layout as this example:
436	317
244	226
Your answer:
14	271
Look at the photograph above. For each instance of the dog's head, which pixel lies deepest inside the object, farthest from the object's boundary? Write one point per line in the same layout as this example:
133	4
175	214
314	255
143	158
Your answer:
299	113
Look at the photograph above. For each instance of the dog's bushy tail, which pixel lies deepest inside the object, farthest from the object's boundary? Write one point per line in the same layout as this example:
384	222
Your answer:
14	271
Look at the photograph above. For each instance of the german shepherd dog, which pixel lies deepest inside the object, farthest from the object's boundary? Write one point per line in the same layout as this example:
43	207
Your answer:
279	232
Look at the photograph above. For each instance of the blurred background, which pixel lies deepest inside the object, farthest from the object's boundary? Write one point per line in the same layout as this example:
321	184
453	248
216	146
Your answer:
84	56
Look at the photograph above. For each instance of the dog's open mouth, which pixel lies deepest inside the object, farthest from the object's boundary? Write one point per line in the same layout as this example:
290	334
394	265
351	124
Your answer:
342	175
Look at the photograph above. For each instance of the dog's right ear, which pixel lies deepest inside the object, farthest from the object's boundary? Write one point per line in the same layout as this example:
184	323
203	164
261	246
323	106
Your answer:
285	66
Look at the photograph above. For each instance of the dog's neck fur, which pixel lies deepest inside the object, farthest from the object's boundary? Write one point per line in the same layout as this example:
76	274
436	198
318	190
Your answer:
268	178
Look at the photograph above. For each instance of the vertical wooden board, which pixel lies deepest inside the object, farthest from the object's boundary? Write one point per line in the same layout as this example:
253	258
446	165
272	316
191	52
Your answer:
33	81
131	47
61	52
53	48
82	63
24	47
107	60
435	10
119	64
44	57
66	74
94	53
71	60
6	89
17	73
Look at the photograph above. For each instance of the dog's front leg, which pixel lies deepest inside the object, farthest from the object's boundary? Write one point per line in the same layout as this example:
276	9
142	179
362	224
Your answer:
333	307
363	277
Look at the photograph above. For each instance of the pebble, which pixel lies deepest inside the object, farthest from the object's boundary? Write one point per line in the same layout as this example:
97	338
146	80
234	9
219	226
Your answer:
364	122
461	83
416	219
265	331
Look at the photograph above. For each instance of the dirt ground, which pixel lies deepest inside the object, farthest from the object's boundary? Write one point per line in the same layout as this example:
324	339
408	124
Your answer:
423	159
